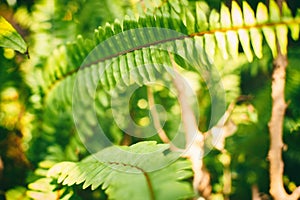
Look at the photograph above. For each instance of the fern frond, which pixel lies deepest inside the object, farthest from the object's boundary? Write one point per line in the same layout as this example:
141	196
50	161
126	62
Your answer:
223	31
129	177
118	53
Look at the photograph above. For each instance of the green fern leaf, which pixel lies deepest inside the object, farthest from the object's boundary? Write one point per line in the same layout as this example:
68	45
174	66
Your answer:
116	168
225	22
263	17
274	11
202	22
10	38
287	16
295	31
233	43
237	20
262	13
255	34
281	34
221	42
210	45
225	16
43	189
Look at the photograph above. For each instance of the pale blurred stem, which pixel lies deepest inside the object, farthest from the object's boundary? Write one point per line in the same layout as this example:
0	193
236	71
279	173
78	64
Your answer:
227	181
194	137
155	117
276	132
255	193
1	167
279	105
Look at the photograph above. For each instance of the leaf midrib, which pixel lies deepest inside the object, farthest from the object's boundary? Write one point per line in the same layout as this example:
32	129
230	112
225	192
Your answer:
145	174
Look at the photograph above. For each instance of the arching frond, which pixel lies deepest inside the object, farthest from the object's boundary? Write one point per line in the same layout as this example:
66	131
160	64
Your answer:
127	177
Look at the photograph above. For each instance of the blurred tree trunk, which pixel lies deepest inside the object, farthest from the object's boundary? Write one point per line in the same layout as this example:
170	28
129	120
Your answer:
279	105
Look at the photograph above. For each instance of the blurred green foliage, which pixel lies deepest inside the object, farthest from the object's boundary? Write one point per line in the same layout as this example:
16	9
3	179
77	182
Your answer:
32	140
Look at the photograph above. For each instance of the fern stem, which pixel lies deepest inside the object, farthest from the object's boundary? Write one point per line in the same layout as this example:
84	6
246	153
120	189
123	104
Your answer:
148	180
149	184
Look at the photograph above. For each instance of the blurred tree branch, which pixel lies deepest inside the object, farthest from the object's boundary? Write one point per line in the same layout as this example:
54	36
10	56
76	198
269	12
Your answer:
194	137
279	106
